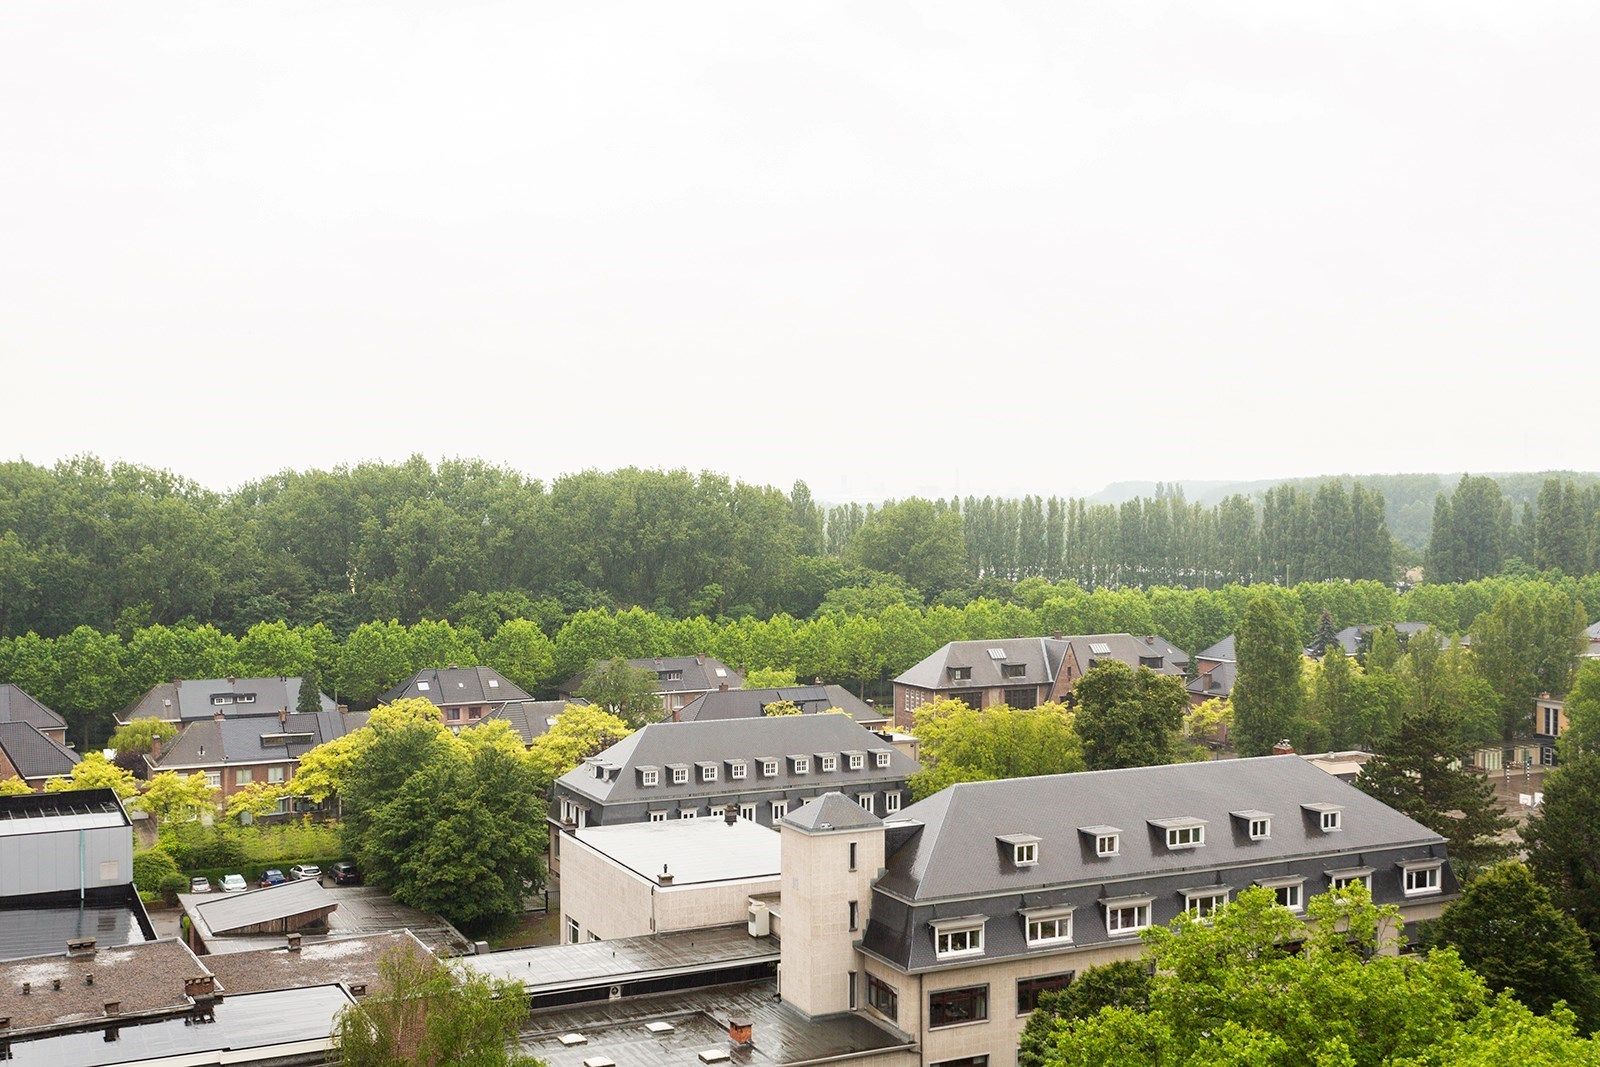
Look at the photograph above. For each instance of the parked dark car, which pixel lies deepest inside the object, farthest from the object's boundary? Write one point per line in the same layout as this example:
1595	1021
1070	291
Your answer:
344	873
273	877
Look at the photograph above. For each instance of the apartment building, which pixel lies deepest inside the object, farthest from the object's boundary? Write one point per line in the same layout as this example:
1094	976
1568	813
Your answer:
463	695
184	700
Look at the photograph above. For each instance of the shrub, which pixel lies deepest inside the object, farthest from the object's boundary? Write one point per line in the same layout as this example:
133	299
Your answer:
152	867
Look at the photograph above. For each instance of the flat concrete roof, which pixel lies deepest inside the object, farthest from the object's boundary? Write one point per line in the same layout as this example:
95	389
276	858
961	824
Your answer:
693	851
554	967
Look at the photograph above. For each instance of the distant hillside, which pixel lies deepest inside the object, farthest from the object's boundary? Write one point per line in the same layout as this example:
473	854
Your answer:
1408	497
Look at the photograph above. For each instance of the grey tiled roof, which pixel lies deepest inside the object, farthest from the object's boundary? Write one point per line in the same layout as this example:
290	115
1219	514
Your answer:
33	754
1221	650
191	699
531	718
696	674
664	744
831	811
457	685
1040	658
209	743
17	706
1217	682
1350	637
749	703
955	852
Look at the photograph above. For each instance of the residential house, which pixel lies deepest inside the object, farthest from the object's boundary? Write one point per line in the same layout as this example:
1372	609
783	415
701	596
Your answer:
679	679
752	703
532	718
758	768
1549	723
236	752
32	755
1591	637
1356	639
17	706
191	700
463	695
1216	669
1024	672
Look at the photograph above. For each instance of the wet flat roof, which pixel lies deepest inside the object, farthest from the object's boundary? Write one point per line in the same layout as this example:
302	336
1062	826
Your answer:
38	929
694	851
558	966
618	1030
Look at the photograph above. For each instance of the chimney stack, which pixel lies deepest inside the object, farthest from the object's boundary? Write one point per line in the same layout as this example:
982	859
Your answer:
200	989
1057	635
730	815
81	947
217	715
155	749
1283	748
1149	639
700	658
740	1032
283	716
294	942
722	687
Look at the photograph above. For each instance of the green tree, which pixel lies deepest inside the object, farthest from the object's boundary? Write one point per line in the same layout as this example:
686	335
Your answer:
1582	736
310	698
781	707
1418	775
1505	927
94	771
1127	718
13	786
580	731
1527	644
625	691
960	743
769	678
1563	841
915	540
1123	984
520	651
423	1013
139	735
1266	693
171	797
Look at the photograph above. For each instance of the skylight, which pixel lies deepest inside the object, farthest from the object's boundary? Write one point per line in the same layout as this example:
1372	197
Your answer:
997	653
1100	648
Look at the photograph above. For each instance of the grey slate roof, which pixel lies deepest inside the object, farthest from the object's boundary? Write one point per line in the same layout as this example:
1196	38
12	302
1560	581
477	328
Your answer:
17	706
209	743
218	913
531	718
1350	637
955	853
831	811
33	754
191	699
749	703
1217	682
1040	657
1221	650
696	674
457	685
663	744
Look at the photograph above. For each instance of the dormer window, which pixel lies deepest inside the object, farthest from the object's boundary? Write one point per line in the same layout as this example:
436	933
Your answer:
1182	833
1260	829
829	763
1257	824
953	938
1204	902
1048	926
801	764
708	772
1329	817
649	776
1349	876
680	775
736	769
856	760
1126	916
1024	849
769	767
960	674
1331	821
1421	878
669	676
1290	892
1107	840
1013	670
880	758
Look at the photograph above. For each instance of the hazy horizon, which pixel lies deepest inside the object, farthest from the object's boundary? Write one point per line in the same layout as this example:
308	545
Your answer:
893	249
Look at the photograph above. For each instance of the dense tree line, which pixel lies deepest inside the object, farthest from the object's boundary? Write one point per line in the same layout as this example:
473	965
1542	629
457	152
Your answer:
1478	530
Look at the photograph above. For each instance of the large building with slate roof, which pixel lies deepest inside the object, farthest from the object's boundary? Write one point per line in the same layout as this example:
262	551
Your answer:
679	679
463	695
760	767
237	752
189	700
971	903
1024	672
752	703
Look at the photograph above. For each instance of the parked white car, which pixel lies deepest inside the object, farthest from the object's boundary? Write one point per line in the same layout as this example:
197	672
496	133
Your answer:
233	883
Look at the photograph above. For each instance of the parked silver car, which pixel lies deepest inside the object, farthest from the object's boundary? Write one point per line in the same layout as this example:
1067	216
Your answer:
308	872
234	883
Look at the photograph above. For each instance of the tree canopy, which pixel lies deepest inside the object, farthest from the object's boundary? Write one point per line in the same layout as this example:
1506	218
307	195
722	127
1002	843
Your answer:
960	743
626	691
1266	694
1127	717
1563	841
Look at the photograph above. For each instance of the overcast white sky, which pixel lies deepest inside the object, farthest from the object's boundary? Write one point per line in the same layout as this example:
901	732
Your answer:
886	247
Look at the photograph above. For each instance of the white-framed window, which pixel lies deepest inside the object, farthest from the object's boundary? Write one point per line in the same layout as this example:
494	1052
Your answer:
245	698
1025	854
747	812
769	768
865	800
688	813
1107	844
649	776
719	811
275	775
830	764
573	932
780	808
1049	929
658	816
1420	881
802	765
1552	721
1332	821
736	770
1290	895
243	775
1204	902
1345	881
1260	829
880	758
954	941
858	760
1186	836
708	772
214	779
1124	919
891	800
680	776
422	687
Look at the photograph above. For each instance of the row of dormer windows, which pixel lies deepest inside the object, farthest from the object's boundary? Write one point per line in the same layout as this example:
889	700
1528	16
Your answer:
1180	834
766	766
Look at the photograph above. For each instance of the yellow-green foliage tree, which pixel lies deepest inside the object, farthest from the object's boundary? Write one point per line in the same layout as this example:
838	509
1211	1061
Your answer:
579	731
94	771
13	787
965	744
174	797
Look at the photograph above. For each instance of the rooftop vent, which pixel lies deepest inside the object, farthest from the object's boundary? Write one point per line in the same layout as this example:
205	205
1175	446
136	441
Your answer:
665	877
81	947
740	1031
568	1040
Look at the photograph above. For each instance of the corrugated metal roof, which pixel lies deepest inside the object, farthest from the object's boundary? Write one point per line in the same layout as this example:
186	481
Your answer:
222	912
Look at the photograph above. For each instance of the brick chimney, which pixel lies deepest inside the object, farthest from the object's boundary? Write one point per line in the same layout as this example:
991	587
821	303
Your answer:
155	749
1283	748
1057	635
700	658
113	1007
722	687
1149	639
201	988
283	716
81	948
740	1032
730	815
217	715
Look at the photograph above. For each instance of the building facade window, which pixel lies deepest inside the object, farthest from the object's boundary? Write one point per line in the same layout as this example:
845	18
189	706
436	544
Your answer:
965	1061
891	801
680	776
1025	854
650	776
1345	881
275	775
851	993
955	941
855	915
1290	895
865	800
736	770
708	773
1107	845
1049	929
1332	821
1022	699
952	1007
802	765
853	849
658	816
689	813
1420	881
830	764
1127	919
1028	989
881	758
572	931
780	808
747	812
214	779
1204	903
243	776
1186	836
882	998
857	761
1260	829
1552	722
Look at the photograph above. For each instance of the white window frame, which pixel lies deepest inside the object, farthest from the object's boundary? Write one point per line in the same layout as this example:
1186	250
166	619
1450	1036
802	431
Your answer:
1193	836
650	776
214	779
829	764
857	761
708	773
747	812
865	800
1431	884
780	808
1331	821
275	775
736	770
891	801
802	765
1343	881
967	935
1195	901
1048	928
1259	829
1025	853
719	811
574	932
680	776
1101	848
658	816
1117	926
881	757
688	813
769	768
1295	891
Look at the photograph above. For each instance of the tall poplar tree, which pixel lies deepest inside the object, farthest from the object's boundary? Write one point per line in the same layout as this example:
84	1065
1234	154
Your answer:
1266	694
